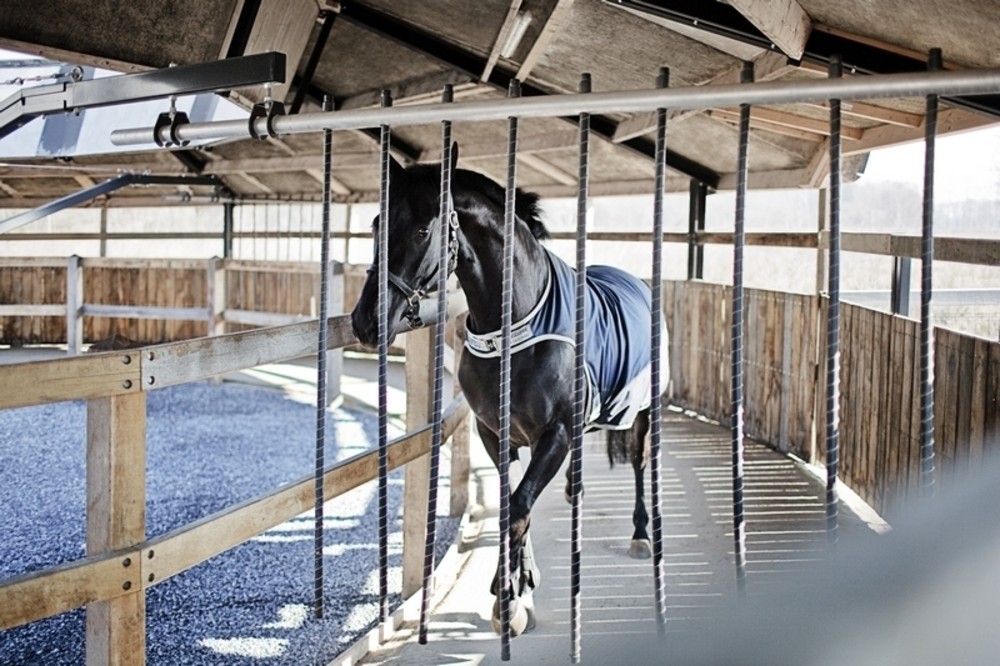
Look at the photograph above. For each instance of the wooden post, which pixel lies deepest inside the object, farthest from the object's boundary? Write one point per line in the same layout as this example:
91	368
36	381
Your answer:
335	357
116	519
460	439
217	296
419	374
74	305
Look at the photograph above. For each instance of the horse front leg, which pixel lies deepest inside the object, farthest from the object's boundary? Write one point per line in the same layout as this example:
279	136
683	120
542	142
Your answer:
548	455
641	548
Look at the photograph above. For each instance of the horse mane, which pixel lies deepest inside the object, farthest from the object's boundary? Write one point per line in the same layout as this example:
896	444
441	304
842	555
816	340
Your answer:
526	204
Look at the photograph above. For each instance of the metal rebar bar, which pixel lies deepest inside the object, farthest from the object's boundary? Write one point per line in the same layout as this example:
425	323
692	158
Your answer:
444	219
927	488
507	297
833	319
382	258
579	381
655	380
321	358
736	389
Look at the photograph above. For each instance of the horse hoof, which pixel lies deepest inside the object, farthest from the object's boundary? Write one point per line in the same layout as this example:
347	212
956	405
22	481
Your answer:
640	549
522	619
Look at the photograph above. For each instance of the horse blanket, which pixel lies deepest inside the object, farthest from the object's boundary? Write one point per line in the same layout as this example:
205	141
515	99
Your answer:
617	338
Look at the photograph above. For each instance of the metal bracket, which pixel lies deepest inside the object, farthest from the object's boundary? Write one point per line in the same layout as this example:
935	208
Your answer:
219	76
269	110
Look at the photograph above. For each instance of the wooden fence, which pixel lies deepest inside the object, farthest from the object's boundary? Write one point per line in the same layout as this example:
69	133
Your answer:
785	389
121	563
150	301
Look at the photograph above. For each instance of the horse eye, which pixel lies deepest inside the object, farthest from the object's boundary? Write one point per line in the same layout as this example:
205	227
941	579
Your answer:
424	232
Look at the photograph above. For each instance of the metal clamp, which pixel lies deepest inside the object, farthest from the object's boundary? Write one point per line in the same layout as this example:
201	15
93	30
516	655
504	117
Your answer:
269	110
173	120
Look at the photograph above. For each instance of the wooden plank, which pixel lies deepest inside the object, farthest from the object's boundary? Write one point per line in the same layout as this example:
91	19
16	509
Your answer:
784	22
978	402
419	371
76	378
192	544
190	360
32	310
143	312
74	302
41	594
991	417
32	262
946	365
116	519
963	383
249	318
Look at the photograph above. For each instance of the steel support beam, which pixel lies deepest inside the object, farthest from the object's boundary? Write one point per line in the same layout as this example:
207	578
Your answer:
821	46
223	75
304	83
91	193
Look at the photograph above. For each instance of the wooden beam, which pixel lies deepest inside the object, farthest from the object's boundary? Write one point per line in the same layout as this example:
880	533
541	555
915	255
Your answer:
756	123
534	143
410	91
498	43
784	22
554	25
419	397
950	121
116	519
818	170
788	120
878	113
540	165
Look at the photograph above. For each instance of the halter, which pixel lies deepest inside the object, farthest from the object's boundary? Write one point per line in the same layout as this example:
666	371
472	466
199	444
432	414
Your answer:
412	295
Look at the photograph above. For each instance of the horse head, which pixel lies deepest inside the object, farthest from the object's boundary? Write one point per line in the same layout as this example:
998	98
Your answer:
414	230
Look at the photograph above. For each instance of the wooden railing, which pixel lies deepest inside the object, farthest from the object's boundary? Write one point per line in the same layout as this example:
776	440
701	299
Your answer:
785	394
121	564
53	301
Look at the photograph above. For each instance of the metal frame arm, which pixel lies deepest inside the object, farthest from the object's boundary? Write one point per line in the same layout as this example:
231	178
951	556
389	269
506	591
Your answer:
222	75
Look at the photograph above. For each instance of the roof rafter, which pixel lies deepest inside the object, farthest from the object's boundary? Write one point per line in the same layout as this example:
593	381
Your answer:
784	22
458	58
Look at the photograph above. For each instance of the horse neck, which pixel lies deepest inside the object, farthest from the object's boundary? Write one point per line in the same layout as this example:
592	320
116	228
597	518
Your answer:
480	266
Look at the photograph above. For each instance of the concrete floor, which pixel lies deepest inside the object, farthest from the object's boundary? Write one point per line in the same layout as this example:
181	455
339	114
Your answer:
785	535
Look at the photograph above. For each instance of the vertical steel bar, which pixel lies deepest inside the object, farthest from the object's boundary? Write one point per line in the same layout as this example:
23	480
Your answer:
444	221
579	380
927	487
507	297
382	257
656	380
833	319
736	391
321	358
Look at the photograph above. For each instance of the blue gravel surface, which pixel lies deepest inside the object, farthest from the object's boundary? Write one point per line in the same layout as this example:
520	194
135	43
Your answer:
208	447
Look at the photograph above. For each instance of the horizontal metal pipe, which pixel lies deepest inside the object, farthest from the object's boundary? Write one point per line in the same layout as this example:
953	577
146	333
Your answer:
964	82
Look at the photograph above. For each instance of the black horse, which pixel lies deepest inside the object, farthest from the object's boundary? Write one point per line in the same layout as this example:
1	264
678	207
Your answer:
542	358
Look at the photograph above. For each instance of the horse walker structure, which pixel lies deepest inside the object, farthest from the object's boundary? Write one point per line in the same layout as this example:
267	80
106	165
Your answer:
121	564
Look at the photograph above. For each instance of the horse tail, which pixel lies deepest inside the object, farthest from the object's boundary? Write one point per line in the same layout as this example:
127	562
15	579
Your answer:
618	448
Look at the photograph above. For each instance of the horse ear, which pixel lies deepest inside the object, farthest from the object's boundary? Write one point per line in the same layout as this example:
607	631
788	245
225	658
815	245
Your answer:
454	155
395	168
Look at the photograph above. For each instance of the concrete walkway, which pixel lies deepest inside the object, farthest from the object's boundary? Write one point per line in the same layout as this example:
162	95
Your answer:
785	534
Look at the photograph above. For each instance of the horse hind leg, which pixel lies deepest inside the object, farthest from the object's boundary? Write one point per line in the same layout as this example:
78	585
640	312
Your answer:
641	547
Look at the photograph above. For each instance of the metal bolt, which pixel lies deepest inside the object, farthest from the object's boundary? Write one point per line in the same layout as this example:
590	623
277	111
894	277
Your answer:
152	380
151	356
127	384
150	556
127	562
152	577
127	585
126	359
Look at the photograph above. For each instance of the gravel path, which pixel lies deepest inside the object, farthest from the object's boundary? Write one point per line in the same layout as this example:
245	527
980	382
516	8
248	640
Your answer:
208	447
